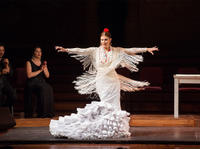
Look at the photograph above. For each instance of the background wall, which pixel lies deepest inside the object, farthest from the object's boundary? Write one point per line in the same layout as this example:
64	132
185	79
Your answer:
172	25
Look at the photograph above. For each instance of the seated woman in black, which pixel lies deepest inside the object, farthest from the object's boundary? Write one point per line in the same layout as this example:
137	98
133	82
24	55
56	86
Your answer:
37	71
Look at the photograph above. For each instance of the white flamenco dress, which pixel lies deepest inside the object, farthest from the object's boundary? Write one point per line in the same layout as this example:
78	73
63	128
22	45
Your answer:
101	119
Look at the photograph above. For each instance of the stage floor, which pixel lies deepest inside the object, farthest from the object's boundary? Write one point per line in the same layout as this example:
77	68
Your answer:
139	135
148	131
136	120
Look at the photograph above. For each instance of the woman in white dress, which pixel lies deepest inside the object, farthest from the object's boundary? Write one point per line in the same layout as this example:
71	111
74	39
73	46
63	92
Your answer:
102	119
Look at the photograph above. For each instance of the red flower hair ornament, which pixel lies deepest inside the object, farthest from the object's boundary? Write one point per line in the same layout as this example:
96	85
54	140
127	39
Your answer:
106	30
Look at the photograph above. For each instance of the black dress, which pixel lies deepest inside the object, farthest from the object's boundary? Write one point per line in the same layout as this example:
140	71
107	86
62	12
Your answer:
44	93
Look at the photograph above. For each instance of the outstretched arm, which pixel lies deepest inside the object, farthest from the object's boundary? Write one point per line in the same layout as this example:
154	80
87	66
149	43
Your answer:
80	51
133	51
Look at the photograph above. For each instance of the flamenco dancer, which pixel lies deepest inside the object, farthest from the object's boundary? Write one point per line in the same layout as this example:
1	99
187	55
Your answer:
101	119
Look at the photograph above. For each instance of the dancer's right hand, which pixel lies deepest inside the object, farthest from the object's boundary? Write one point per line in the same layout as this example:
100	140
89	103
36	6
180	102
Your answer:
60	49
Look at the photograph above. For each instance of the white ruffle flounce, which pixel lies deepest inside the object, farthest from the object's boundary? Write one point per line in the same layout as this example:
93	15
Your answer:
98	120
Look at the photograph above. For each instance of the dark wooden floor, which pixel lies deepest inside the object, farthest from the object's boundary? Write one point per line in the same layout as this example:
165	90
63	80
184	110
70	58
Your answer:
102	146
136	120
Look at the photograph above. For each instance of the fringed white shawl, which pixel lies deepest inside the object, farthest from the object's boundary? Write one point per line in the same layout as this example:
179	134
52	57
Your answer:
121	57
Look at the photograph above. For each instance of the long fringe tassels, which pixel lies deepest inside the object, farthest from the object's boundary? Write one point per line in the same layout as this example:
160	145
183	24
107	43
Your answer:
130	61
130	85
85	84
86	61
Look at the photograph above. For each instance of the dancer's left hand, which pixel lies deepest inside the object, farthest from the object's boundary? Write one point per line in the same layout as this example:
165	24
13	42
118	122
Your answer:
151	50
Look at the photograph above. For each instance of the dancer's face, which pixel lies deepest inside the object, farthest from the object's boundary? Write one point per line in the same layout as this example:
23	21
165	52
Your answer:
38	53
105	42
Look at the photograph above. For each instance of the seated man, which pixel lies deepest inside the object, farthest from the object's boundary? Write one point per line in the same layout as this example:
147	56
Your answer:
6	90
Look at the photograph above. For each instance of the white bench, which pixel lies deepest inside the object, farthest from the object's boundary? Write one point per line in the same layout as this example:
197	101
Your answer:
182	79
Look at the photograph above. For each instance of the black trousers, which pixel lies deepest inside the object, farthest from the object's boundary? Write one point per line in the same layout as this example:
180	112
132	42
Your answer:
6	90
44	99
